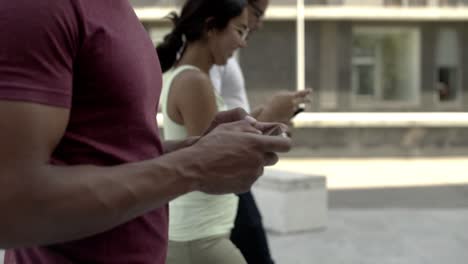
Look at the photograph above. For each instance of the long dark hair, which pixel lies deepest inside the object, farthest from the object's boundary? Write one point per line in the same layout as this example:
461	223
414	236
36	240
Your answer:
192	24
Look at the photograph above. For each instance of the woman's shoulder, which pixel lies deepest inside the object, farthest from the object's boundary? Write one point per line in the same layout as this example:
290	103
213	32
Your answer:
191	75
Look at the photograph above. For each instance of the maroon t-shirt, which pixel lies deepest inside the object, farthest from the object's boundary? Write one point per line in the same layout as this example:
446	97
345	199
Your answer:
94	58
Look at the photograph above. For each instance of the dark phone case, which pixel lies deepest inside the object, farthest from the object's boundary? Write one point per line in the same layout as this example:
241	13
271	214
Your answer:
299	110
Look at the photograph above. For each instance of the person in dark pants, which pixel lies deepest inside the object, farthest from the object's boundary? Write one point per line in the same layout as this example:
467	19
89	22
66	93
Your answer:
248	233
228	81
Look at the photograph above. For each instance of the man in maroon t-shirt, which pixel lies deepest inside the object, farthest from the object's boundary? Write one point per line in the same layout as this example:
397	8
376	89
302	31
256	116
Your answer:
81	176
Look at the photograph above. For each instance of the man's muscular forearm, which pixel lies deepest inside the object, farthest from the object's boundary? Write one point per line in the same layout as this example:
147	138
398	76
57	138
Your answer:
49	204
174	145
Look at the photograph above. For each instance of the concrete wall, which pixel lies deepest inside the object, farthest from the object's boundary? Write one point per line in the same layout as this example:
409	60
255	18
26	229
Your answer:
380	142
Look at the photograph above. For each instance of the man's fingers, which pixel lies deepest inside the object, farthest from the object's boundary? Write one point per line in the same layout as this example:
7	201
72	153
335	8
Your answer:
227	117
250	120
246	128
265	127
241	126
271	159
273	143
231	115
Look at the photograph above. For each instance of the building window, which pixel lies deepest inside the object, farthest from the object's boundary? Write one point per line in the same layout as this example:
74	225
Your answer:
385	65
448	2
417	2
365	77
447	66
390	3
393	2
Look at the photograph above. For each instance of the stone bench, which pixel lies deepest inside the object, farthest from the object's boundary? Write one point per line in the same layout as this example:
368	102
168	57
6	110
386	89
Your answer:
292	202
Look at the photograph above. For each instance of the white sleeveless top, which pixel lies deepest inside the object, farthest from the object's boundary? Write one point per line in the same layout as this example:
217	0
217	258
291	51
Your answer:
195	215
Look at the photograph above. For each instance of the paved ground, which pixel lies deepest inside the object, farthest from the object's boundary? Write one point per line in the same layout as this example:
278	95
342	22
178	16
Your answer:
380	236
386	211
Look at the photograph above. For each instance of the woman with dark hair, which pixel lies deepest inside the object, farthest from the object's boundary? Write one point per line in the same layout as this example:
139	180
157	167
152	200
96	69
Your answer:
206	33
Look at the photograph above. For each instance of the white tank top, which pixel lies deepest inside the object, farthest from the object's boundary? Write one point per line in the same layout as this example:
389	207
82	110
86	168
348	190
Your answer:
195	215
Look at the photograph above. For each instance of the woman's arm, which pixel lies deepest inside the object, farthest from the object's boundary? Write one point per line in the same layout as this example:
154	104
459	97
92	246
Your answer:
195	101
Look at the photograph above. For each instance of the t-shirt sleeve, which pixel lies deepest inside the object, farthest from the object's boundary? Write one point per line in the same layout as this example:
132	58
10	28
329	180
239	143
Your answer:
38	44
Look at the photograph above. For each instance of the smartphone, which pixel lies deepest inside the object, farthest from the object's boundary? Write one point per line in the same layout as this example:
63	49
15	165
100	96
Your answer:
299	110
274	131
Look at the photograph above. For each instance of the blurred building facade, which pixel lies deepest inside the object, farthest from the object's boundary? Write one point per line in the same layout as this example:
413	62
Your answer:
377	56
358	56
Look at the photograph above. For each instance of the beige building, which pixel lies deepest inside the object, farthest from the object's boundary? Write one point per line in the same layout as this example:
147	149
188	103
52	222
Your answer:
361	55
366	60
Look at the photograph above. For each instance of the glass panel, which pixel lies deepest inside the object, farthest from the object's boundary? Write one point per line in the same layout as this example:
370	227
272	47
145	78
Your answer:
447	65
393	2
448	2
385	63
365	80
447	83
417	2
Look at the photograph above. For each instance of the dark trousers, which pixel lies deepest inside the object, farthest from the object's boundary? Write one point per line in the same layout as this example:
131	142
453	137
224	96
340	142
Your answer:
248	233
